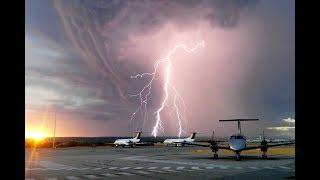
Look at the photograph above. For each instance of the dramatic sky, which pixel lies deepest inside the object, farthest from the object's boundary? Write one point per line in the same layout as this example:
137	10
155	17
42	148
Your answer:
80	56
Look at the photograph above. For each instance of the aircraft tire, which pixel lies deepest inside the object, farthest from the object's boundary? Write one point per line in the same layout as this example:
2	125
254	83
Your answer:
238	157
215	156
264	156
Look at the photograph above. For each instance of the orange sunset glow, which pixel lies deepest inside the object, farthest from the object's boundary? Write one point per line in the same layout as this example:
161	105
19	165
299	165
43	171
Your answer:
35	134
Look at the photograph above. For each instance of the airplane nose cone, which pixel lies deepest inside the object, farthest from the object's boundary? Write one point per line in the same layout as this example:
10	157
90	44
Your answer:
237	144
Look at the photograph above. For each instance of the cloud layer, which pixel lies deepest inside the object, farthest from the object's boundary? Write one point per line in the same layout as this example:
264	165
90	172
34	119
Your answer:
83	67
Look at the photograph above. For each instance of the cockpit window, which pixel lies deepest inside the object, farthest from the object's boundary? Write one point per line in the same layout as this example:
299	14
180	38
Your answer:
236	137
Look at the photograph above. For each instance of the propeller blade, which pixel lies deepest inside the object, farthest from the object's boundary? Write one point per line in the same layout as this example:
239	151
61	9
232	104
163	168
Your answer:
212	137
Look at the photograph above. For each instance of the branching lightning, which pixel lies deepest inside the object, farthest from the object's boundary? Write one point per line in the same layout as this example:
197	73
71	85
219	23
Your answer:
145	92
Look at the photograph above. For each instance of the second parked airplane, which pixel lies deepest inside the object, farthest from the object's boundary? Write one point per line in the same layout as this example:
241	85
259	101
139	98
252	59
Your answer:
181	141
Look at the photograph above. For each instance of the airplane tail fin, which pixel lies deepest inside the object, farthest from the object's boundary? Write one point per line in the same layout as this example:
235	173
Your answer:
192	136
138	135
239	120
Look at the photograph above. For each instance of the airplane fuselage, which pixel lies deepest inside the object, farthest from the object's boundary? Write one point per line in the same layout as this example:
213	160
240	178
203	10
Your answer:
177	141
126	142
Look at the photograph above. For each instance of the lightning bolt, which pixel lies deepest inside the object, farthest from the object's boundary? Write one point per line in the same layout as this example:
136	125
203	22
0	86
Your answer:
145	92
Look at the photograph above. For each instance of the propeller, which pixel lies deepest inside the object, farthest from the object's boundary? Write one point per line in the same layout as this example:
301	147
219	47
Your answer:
213	143
264	143
212	136
144	132
209	140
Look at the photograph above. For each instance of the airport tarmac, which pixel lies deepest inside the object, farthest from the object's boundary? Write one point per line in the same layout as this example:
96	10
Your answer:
152	162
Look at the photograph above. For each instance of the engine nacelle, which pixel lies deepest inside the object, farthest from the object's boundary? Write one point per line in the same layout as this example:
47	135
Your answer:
214	146
264	146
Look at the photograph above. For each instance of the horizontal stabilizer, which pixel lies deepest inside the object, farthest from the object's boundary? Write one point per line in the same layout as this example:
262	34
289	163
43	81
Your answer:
239	120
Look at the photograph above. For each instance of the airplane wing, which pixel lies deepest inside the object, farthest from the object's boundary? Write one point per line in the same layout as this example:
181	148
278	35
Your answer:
218	141
271	145
206	145
196	144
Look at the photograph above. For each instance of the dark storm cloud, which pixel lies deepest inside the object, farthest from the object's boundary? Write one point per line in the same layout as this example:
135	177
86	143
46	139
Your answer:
270	83
57	79
98	29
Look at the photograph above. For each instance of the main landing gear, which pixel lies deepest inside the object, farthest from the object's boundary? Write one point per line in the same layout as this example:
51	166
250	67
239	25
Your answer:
238	157
264	155
215	156
264	148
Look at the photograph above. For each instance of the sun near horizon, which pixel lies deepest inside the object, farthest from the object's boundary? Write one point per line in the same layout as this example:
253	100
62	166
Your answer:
35	134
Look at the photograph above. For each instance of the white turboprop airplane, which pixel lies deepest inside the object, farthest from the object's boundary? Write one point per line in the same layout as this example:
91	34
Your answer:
180	142
238	143
128	142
